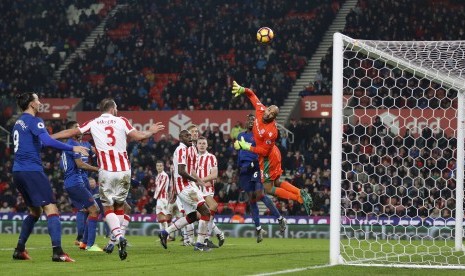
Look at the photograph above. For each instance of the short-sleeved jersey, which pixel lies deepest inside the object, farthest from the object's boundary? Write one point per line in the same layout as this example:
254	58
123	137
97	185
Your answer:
27	144
265	134
180	157
161	186
110	136
72	174
245	157
207	162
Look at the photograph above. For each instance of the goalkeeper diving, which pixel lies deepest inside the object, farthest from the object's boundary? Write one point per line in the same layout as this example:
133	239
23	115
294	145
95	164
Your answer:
265	133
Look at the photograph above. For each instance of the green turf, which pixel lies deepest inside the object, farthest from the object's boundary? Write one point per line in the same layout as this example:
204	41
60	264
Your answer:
239	256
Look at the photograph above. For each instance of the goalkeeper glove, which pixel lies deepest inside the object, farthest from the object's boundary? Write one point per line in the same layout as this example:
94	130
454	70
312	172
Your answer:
237	89
242	144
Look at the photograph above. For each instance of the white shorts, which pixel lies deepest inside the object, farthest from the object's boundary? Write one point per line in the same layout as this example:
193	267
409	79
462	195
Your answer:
114	186
190	197
162	207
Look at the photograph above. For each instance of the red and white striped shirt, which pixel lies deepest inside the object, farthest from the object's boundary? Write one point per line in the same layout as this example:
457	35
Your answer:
192	159
180	158
161	186
110	136
207	162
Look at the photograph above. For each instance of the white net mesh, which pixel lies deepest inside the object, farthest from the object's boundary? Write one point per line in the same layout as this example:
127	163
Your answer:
399	151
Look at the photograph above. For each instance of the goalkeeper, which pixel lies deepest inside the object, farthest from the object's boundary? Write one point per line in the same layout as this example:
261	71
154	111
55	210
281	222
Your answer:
265	133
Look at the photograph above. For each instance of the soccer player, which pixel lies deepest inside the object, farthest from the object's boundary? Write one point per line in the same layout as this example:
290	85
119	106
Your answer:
250	181
265	133
80	196
81	215
190	196
161	195
110	134
207	170
29	134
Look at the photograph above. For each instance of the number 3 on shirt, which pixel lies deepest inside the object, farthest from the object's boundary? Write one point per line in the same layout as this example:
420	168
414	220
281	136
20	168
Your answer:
110	134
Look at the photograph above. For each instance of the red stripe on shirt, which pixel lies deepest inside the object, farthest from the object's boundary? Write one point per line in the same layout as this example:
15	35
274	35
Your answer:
121	162
103	158
112	156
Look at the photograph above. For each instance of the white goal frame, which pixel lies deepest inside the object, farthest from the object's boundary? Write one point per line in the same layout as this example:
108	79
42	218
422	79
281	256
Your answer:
339	43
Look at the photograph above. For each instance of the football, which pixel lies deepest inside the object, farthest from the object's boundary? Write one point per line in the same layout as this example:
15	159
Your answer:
265	35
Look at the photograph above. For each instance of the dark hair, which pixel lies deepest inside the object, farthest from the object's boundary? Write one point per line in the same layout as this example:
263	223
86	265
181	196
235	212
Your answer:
202	138
250	115
160	161
70	124
23	100
106	104
183	132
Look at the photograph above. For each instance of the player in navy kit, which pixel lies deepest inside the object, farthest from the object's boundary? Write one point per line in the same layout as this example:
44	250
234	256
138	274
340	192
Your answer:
80	195
250	181
29	135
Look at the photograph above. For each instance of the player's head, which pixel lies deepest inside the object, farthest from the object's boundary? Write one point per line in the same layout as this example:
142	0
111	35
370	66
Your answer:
270	114
194	131
185	137
71	125
250	121
28	101
108	105
159	166
202	144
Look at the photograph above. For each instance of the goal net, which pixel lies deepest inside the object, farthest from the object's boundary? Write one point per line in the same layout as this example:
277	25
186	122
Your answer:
397	153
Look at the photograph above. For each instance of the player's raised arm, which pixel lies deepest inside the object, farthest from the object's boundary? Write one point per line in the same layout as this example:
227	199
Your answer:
67	133
238	90
141	135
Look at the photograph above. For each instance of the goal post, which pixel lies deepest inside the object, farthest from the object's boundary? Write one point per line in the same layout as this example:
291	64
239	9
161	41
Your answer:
397	154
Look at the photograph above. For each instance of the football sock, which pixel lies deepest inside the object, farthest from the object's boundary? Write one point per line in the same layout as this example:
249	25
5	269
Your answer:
255	214
26	230
86	233
203	225
114	224
124	224
269	204
91	230
178	224
54	229
81	218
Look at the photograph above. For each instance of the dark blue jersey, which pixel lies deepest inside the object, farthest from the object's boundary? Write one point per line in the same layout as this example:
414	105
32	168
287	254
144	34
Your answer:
85	159
27	144
72	174
246	157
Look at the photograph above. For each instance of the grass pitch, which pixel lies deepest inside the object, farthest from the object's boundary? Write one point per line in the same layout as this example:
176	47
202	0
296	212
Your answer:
239	256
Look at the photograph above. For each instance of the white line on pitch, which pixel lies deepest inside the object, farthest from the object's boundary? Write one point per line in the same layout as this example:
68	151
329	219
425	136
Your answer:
292	270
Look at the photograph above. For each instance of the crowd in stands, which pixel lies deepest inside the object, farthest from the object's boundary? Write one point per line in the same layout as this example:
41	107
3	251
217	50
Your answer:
303	168
189	64
38	35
